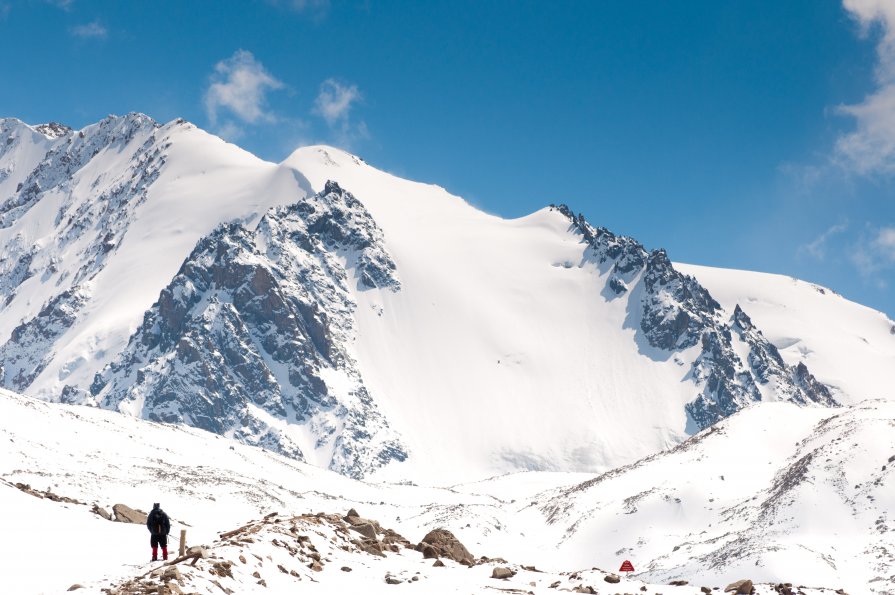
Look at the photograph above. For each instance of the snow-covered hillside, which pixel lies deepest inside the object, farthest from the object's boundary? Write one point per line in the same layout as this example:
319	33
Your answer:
848	347
373	325
772	494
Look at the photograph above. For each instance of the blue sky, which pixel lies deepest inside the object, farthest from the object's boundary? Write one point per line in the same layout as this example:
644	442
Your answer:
756	135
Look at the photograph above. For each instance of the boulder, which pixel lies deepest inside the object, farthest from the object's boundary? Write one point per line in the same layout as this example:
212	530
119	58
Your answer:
501	572
444	545
365	529
678	583
75	587
100	511
371	546
390	536
126	514
740	587
612	578
438	564
172	574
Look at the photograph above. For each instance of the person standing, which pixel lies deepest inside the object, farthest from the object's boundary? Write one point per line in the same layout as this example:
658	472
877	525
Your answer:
159	526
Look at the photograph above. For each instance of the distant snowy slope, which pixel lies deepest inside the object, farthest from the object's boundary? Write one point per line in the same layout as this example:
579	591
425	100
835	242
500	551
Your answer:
774	492
849	347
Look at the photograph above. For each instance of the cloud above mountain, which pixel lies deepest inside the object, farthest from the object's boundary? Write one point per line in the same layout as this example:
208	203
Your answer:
870	147
238	91
92	30
334	104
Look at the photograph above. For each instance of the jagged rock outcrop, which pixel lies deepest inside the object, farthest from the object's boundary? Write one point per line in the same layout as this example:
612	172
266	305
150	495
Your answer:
250	338
30	345
672	313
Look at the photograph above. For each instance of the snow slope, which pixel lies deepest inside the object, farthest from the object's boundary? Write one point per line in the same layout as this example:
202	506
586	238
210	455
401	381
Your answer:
505	338
796	506
772	491
847	346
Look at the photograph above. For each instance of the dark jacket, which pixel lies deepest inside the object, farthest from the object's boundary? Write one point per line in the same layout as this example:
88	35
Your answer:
158	522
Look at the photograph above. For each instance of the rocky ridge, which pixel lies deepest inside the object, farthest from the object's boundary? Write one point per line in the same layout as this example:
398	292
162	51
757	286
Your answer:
256	327
672	313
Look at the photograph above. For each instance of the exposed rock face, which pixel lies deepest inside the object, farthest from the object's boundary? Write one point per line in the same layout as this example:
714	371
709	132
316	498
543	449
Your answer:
441	543
255	327
29	348
53	130
672	313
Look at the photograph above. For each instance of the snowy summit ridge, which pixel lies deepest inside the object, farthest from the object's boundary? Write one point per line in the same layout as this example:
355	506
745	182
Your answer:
330	311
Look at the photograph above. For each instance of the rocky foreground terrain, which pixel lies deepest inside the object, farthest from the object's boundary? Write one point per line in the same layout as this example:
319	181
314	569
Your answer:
809	512
350	554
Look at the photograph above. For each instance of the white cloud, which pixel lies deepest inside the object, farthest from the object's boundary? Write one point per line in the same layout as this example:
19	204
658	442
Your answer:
335	101
94	30
334	104
63	4
817	247
308	5
230	131
885	242
240	85
317	9
870	148
874	254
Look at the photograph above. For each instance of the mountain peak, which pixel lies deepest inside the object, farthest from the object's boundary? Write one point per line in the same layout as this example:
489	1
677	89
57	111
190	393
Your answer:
53	130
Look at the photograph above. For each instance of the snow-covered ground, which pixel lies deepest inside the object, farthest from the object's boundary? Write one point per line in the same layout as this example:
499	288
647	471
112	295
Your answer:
775	494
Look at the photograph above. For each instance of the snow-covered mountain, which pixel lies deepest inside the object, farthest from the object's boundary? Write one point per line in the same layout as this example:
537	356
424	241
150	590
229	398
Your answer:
331	311
773	494
847	346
